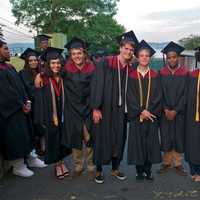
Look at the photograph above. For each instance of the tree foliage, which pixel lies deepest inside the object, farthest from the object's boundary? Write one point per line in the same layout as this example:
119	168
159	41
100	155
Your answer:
91	19
190	42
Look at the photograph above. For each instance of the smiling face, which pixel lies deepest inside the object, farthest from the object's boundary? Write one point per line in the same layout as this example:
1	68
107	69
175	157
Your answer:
172	59
33	62
55	66
144	57
4	52
78	56
127	51
44	44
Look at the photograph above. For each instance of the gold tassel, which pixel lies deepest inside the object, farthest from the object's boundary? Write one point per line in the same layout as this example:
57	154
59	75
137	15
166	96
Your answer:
197	100
55	120
141	92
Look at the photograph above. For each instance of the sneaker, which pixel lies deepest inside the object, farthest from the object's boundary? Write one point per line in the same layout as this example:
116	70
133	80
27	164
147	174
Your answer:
119	175
36	163
99	178
164	169
180	171
149	177
22	171
139	177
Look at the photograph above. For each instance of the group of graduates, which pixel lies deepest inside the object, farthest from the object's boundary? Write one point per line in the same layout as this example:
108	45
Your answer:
56	108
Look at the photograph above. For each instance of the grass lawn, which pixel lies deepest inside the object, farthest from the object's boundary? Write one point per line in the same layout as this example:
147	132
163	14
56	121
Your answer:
17	63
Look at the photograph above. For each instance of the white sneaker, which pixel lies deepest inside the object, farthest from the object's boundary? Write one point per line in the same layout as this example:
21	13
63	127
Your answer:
20	169
36	162
33	154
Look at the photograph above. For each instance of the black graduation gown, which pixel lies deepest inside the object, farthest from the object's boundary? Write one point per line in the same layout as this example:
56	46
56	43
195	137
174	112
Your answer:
192	133
43	116
77	84
174	89
143	143
15	131
110	133
28	81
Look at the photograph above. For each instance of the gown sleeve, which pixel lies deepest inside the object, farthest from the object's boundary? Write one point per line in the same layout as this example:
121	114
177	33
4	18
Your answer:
156	99
28	84
10	100
39	106
98	84
134	109
181	106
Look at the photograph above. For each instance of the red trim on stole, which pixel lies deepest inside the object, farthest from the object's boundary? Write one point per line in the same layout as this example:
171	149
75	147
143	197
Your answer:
134	74
89	67
181	71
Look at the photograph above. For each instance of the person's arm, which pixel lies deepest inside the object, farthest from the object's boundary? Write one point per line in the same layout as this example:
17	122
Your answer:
97	90
10	100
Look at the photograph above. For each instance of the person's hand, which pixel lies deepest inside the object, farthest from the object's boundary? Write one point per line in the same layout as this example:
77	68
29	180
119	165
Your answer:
146	115
97	116
170	114
38	81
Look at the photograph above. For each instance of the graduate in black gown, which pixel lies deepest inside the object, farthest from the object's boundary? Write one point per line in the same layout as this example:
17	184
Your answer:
108	101
49	111
77	77
174	80
28	74
43	44
144	109
15	127
192	136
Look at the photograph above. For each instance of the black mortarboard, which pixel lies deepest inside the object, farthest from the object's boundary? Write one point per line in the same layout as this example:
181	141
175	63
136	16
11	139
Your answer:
43	37
29	52
173	47
76	43
128	36
197	48
144	45
51	53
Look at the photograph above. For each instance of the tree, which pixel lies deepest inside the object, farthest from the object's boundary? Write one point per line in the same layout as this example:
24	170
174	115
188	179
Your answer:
56	15
190	42
101	32
90	19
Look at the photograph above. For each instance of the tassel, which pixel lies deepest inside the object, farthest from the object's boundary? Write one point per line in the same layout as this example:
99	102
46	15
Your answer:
55	120
197	117
197	100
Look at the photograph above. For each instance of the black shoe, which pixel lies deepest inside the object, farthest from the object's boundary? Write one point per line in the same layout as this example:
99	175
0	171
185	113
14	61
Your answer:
99	178
119	175
139	177
149	177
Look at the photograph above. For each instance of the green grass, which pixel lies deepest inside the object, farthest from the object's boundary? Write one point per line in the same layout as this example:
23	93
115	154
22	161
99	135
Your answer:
17	63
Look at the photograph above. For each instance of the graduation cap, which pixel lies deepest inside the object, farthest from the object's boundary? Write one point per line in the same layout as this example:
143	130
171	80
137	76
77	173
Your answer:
76	43
29	52
144	45
173	47
197	48
51	53
43	37
128	36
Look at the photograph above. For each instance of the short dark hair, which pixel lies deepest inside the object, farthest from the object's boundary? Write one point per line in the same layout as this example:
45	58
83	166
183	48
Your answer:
124	42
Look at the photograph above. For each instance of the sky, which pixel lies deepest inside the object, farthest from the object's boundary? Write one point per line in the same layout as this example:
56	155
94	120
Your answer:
152	20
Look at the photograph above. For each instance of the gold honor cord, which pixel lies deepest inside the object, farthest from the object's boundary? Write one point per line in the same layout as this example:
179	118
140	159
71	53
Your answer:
141	91
197	100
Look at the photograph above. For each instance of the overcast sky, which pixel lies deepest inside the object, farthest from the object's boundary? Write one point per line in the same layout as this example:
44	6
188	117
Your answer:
152	20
